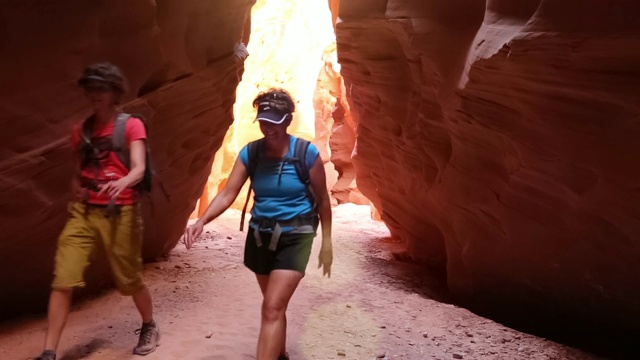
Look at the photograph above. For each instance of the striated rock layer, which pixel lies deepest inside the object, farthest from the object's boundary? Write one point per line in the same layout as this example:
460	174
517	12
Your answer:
178	57
335	129
287	40
499	140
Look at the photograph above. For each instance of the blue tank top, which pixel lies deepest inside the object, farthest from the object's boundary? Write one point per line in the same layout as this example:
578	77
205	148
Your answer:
279	193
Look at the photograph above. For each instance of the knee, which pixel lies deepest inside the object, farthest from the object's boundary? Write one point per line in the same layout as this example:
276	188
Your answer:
272	311
130	288
62	290
61	293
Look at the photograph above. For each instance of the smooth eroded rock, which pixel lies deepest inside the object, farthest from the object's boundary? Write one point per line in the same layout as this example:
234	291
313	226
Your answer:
178	58
499	140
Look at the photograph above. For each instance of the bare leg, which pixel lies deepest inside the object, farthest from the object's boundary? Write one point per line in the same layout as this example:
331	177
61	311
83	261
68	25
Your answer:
143	302
263	280
280	288
59	303
149	332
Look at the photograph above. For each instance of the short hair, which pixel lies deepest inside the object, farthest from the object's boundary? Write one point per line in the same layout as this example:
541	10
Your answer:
279	99
106	73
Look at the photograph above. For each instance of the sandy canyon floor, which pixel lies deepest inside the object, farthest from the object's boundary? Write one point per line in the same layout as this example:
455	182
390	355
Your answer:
208	308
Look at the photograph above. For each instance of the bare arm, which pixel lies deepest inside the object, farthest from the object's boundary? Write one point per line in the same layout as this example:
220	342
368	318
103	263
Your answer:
220	203
319	185
229	193
137	154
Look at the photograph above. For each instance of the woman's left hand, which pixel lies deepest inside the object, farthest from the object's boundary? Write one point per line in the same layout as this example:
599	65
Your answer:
325	259
114	188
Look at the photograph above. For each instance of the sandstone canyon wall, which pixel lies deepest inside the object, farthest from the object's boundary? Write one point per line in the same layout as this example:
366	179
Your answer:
178	57
499	140
287	42
336	129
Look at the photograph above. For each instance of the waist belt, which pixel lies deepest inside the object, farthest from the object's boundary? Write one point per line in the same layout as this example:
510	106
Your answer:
112	209
300	221
91	184
301	224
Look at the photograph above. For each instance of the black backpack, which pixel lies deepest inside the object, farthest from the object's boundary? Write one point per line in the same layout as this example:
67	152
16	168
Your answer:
299	162
118	146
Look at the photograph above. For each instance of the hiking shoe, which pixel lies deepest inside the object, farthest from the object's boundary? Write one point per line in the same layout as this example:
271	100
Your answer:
47	355
149	337
284	356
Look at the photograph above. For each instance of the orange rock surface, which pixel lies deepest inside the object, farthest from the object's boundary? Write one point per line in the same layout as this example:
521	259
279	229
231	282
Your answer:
499	140
333	116
287	42
178	57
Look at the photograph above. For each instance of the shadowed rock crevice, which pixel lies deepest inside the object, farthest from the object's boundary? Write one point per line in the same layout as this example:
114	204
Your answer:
498	140
178	58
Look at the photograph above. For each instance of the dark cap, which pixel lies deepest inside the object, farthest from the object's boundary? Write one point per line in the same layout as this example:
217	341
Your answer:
267	112
105	73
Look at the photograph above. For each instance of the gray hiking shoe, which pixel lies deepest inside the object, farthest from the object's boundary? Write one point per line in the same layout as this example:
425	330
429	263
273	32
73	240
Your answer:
47	355
149	338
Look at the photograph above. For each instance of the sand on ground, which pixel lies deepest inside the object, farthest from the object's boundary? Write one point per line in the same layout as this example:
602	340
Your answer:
207	305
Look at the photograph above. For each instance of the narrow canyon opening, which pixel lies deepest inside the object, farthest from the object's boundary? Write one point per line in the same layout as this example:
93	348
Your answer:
292	46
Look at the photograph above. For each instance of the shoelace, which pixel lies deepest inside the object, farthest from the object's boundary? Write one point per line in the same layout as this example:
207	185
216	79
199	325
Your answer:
146	334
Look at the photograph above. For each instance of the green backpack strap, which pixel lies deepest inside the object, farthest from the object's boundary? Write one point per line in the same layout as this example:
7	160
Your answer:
253	150
119	139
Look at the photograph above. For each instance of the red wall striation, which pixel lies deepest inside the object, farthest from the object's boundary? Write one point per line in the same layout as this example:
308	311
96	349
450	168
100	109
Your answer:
499	140
178	57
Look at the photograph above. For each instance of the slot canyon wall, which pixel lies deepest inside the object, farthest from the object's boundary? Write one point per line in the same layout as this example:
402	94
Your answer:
499	140
179	60
288	38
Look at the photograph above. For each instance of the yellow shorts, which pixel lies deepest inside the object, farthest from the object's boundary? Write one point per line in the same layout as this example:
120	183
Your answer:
121	237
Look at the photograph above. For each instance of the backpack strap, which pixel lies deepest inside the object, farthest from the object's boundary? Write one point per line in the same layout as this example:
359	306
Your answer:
253	150
299	162
119	139
302	170
85	146
85	130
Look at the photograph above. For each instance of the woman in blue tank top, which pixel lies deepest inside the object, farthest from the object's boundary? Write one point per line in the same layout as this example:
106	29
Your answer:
284	217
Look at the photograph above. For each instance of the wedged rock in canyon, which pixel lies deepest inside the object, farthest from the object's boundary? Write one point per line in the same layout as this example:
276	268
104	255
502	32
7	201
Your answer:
335	129
498	139
179	60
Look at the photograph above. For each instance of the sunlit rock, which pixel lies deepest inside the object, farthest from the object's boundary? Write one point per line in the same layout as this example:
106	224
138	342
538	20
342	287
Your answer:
499	141
179	59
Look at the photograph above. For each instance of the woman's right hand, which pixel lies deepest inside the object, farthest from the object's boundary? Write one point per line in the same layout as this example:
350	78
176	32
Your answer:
191	233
